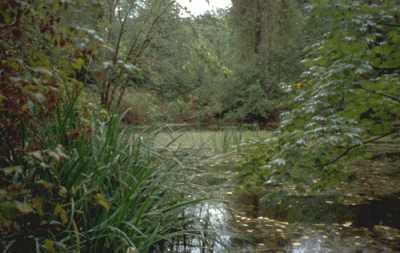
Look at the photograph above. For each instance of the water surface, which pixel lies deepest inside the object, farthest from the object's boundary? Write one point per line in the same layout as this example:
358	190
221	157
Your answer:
323	223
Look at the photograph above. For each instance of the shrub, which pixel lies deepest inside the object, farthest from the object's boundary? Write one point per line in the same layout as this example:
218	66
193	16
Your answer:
90	187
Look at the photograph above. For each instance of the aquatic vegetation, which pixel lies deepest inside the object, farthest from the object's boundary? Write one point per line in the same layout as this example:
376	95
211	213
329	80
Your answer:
105	190
78	175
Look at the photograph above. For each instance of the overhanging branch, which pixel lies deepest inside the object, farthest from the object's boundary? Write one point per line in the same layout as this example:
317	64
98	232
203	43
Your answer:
378	93
351	148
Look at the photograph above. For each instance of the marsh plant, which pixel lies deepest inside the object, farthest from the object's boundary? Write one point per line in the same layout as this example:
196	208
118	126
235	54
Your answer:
91	185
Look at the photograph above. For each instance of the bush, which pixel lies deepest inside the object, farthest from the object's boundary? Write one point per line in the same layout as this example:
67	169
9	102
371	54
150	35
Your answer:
92	186
72	178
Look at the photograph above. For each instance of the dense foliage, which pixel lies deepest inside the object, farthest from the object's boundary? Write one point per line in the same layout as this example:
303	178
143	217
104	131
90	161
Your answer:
72	178
348	96
324	75
216	67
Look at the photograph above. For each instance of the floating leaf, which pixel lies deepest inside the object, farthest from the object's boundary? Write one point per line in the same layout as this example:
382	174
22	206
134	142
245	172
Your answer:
296	244
347	224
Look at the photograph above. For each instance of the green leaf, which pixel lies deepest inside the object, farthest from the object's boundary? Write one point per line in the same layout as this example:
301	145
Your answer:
77	63
102	201
49	246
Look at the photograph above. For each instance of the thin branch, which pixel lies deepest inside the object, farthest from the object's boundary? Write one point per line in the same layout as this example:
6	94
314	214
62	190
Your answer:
391	24
147	37
396	99
351	148
122	31
109	91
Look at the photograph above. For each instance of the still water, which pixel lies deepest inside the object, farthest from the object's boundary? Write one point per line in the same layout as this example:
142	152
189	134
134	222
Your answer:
296	224
243	229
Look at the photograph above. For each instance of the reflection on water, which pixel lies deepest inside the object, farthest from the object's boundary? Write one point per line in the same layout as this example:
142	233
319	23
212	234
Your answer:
241	230
290	224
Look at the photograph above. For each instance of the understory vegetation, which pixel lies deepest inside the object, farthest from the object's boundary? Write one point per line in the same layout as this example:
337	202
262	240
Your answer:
346	101
73	178
286	97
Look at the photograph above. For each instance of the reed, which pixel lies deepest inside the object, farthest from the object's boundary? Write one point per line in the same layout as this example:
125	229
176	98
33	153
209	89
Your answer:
93	185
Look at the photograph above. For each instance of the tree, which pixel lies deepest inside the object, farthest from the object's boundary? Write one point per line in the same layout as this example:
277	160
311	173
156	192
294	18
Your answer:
349	96
123	29
267	44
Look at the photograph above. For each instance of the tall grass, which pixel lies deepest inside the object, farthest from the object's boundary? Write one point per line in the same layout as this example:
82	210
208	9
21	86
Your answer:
105	189
216	142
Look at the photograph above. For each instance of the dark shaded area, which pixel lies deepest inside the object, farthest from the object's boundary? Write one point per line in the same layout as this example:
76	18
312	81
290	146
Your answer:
326	209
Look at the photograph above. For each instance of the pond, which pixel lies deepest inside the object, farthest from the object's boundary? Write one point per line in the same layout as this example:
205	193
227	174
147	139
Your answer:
292	224
241	227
